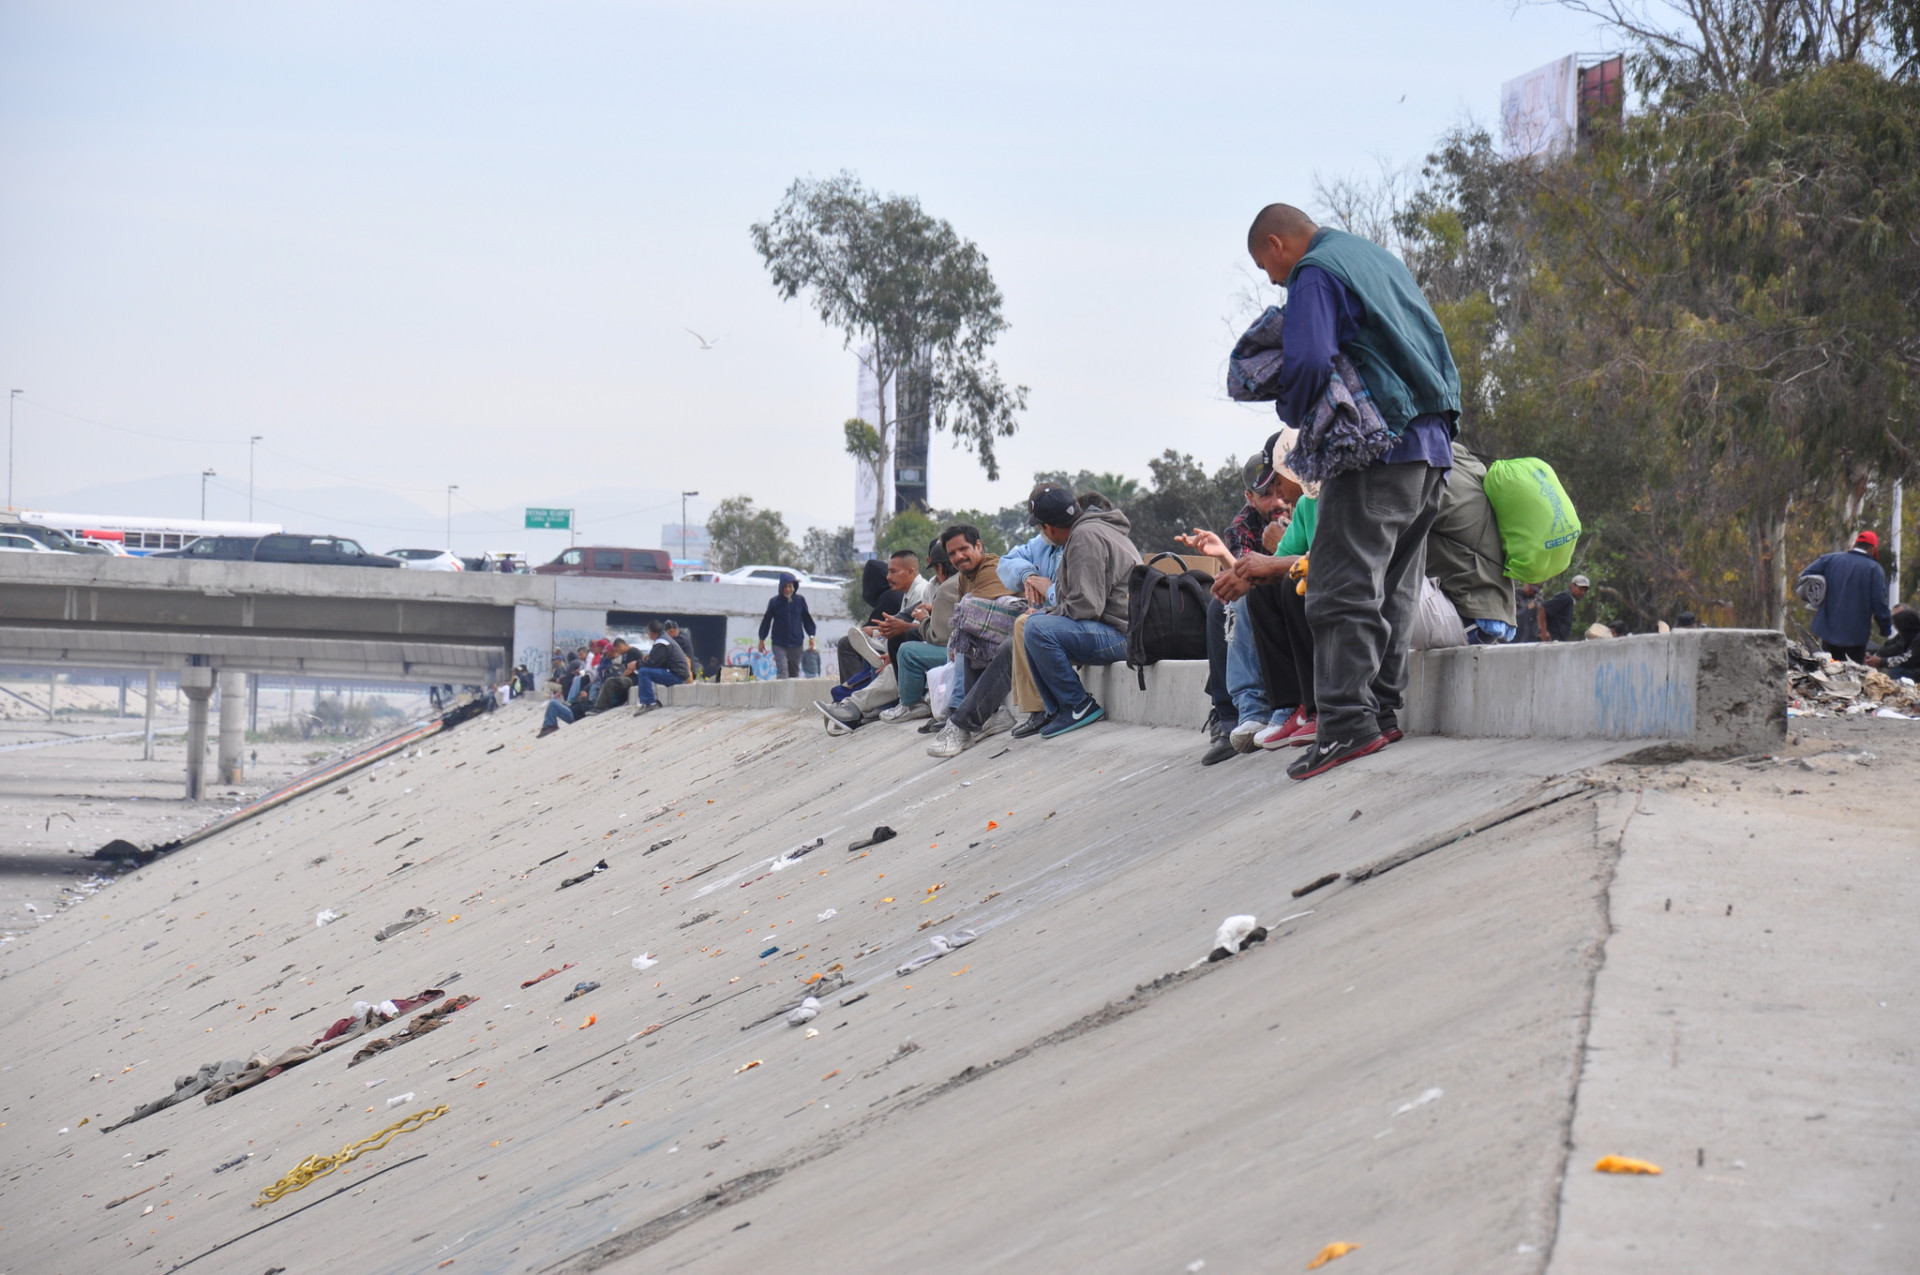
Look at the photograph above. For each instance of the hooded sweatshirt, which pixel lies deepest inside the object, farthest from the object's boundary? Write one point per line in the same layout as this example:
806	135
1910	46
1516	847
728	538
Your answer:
787	618
1093	569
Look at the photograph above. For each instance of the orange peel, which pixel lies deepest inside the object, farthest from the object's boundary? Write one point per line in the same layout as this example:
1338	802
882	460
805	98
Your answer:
1331	1251
1624	1164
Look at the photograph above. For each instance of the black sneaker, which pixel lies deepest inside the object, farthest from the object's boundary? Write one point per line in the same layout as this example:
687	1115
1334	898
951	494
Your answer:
1326	754
1032	726
932	725
1221	746
1085	713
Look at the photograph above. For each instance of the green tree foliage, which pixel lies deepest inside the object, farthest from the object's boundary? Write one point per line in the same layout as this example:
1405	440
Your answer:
828	553
1182	496
909	529
742	534
907	292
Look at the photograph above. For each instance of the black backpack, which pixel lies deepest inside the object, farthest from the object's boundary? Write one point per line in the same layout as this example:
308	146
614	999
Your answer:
1166	615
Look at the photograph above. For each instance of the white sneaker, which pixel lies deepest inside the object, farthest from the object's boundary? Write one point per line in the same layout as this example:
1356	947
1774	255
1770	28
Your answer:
1002	720
907	712
950	742
1272	736
1243	735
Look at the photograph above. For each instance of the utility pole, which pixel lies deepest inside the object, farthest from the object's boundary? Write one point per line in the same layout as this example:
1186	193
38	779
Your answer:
204	475
1899	559
683	523
11	395
451	488
250	443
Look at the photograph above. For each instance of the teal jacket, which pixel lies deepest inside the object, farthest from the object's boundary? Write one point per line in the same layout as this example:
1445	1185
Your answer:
1398	345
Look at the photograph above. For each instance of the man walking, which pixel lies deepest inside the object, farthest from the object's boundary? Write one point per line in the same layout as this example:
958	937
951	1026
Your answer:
1855	600
790	623
1349	298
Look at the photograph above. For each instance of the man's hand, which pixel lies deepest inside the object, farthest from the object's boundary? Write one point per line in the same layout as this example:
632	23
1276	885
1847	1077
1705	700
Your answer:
1270	538
810	645
1035	588
763	644
1256	568
1204	541
922	611
892	626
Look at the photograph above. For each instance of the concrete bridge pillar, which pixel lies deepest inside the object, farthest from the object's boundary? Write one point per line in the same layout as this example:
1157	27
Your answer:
233	726
197	685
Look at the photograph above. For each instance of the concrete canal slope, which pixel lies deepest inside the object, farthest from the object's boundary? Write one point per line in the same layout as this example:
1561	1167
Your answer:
1425	1062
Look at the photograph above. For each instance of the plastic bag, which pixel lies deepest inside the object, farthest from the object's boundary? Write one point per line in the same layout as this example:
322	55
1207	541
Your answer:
1538	525
1436	622
940	689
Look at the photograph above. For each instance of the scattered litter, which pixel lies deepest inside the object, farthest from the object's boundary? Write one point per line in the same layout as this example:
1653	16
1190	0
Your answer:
234	1163
659	845
905	1047
372	1083
399	1100
1330	1252
812	1032
1236	934
806	1011
703	916
324	917
1822	687
939	945
1430	1095
579	990
828	915
645	961
594	871
411	918
150	943
318	1166
539	978
746	1066
1624	1164
591	1020
796	854
1321	884
769	952
114	1204
881	833
854	999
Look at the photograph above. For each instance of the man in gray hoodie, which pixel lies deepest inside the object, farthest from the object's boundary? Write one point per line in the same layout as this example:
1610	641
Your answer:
1087	624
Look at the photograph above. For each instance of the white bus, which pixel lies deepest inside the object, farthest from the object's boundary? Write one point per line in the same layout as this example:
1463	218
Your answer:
142	536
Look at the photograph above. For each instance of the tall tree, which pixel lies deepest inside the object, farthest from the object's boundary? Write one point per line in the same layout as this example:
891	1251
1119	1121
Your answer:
742	534
903	288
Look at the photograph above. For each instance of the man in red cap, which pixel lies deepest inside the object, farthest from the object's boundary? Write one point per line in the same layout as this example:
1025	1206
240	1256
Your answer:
1855	598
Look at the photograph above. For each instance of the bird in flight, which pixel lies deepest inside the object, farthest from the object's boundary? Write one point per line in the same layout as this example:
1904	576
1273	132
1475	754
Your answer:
704	343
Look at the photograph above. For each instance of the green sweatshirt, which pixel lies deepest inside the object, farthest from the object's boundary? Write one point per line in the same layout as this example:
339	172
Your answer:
1298	537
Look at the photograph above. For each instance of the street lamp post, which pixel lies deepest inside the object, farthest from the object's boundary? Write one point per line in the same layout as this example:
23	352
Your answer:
683	523
451	488
204	475
250	443
11	395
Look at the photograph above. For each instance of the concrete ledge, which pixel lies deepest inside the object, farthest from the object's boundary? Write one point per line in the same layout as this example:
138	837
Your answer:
1704	692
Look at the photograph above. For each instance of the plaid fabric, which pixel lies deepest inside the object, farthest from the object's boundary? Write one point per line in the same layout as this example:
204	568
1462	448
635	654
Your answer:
1244	532
982	626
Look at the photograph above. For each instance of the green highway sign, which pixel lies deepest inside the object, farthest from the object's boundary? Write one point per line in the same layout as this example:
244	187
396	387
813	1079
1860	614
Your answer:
549	519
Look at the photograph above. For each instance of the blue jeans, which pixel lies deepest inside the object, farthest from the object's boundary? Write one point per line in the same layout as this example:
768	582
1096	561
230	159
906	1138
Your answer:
557	712
647	678
911	663
1244	680
1055	644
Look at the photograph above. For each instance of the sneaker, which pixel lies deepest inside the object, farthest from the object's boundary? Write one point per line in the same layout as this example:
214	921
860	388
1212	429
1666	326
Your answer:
1285	733
838	714
1390	728
907	712
1338	752
1242	736
1222	746
1304	731
1085	713
1031	726
950	742
1000	722
546	731
933	725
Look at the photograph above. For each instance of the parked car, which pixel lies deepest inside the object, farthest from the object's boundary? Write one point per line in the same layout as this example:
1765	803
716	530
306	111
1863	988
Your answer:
594	560
214	549
699	577
13	542
47	537
761	573
318	550
427	559
94	544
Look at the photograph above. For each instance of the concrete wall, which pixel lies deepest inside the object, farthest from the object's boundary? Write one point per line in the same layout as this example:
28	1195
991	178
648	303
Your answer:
1715	692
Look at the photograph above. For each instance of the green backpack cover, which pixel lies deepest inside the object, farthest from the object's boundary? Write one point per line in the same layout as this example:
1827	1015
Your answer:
1538	526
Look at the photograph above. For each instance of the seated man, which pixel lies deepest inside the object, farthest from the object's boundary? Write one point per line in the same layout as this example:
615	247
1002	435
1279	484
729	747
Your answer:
619	679
875	643
1087	623
558	713
983	618
927	650
666	664
906	589
1466	556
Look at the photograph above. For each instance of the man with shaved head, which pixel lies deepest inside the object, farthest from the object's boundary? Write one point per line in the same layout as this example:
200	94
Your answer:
1348	296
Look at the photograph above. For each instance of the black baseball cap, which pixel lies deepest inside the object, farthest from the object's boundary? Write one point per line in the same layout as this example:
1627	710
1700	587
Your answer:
1273	460
1051	505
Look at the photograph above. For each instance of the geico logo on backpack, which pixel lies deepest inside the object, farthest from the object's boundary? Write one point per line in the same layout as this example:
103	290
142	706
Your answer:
1538	526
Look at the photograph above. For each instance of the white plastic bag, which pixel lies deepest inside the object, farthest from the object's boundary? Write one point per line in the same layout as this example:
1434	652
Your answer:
1436	623
940	689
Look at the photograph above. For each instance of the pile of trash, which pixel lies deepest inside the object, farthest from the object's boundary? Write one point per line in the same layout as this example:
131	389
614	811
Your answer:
1821	686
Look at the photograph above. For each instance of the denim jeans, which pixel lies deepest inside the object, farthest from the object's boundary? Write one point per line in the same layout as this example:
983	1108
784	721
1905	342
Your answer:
557	713
912	663
1055	644
648	678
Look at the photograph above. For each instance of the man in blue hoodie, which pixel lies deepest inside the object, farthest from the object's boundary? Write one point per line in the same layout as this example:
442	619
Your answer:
791	625
1856	598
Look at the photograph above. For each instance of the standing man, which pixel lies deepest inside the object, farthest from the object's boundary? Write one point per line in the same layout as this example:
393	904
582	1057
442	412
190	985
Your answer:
1556	613
1856	598
1349	297
790	623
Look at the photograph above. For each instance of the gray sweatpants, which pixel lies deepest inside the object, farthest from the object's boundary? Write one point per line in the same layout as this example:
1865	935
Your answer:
1363	587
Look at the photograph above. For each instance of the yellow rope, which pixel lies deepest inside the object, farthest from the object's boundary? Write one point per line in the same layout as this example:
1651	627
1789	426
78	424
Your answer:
318	1166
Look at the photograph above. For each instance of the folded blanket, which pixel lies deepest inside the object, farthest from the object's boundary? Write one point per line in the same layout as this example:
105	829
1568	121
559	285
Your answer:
1347	431
981	626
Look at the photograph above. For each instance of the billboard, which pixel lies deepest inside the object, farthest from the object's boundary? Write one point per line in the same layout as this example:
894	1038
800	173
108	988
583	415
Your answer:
1540	111
690	545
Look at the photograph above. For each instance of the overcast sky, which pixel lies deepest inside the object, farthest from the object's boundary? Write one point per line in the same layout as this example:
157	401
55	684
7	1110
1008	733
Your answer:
430	243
